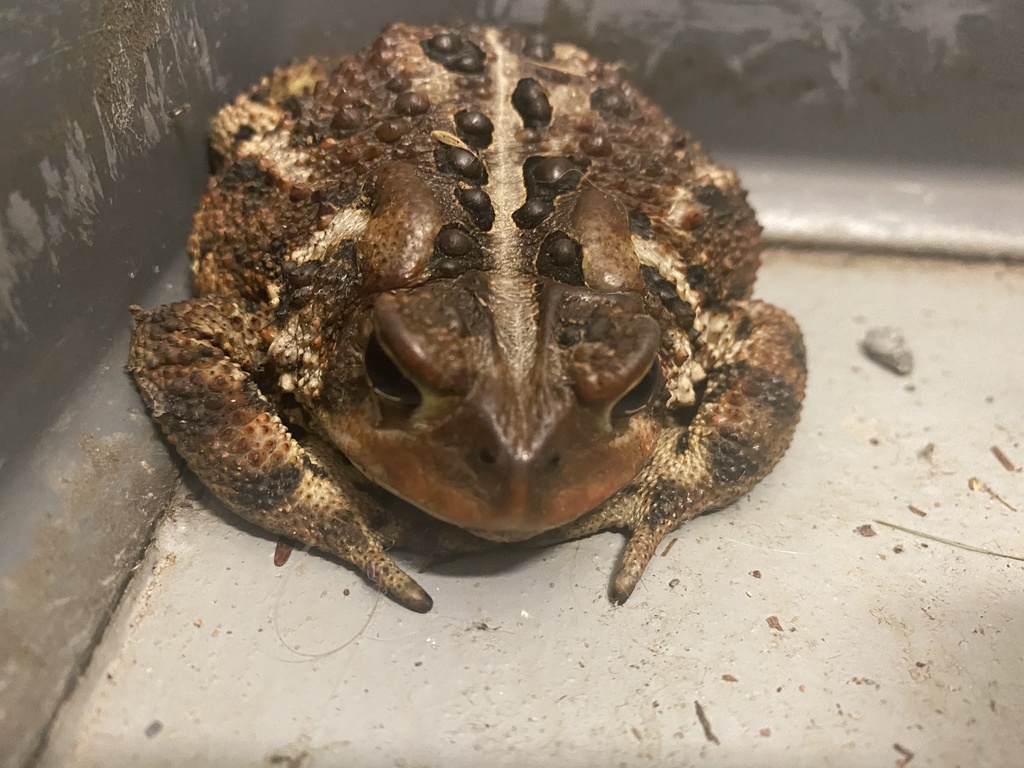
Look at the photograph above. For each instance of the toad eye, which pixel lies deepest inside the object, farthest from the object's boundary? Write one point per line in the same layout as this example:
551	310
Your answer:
640	394
385	377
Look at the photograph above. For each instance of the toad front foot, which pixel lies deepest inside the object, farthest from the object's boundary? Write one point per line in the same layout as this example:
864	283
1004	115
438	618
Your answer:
743	424
194	363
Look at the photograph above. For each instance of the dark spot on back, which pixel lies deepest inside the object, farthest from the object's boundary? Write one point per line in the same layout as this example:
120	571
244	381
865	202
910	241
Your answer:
290	301
453	241
474	127
666	499
532	213
478	205
277	246
470	302
549	171
771	390
299	275
733	456
531	102
268	490
545	178
640	224
743	328
314	469
714	198
698	279
683	441
341	197
244	133
668	295
345	254
728	375
243	172
455	252
560	258
455	53
460	162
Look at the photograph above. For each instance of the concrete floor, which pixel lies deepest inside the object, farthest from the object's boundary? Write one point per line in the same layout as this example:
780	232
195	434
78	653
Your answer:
805	638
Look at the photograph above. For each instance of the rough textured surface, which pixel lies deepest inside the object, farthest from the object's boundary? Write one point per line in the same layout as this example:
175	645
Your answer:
495	277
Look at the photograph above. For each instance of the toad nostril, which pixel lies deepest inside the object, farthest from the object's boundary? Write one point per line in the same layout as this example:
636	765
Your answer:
554	461
487	456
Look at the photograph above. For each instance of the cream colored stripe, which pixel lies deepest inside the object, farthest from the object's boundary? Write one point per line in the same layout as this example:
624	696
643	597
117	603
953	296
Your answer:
513	304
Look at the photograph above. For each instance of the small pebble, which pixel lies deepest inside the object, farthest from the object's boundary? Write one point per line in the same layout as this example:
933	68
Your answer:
887	347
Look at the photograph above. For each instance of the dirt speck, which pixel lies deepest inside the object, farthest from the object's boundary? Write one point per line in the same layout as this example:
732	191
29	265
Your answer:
705	723
905	755
289	761
1003	459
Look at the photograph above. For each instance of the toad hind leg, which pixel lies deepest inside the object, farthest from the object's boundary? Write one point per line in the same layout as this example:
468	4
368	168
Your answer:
194	363
743	424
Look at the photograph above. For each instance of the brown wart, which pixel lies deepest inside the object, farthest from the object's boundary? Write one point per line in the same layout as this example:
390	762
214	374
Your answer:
396	246
600	226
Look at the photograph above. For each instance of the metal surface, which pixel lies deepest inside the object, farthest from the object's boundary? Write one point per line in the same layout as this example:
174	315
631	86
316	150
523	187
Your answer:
873	125
809	633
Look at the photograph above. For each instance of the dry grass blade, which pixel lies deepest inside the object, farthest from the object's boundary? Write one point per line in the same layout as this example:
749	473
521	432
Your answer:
950	542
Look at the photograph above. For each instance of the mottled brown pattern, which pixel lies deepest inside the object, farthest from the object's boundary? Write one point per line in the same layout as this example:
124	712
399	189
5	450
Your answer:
480	270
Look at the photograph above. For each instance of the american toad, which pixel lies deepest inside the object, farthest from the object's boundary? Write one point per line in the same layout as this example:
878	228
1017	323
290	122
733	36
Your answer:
481	271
